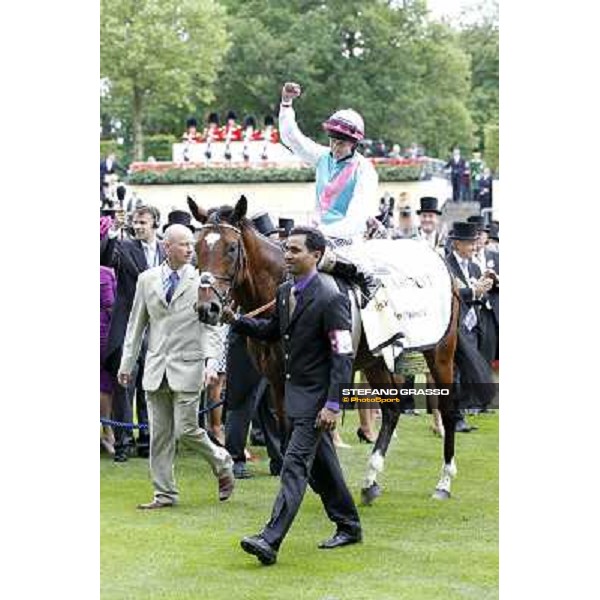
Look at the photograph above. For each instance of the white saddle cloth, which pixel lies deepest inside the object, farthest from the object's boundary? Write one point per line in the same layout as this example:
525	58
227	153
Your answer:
416	298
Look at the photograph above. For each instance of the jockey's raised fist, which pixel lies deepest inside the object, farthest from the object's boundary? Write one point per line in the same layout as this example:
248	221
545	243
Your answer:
290	91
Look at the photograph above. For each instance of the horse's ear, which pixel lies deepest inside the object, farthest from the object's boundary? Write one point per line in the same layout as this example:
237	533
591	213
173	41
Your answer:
239	212
198	213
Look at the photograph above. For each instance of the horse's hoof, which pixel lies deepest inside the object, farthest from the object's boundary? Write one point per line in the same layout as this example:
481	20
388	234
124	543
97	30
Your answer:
369	494
441	495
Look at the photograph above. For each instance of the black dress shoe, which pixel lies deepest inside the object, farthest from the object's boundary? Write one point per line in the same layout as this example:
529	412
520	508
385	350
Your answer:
240	471
259	547
120	456
341	538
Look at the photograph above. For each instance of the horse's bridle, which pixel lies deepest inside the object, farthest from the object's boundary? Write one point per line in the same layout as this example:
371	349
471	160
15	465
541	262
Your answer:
207	279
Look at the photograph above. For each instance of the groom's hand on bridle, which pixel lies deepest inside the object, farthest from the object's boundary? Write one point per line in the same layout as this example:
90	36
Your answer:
228	315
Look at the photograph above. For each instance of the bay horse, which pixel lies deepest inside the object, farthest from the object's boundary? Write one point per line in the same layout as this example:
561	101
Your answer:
237	263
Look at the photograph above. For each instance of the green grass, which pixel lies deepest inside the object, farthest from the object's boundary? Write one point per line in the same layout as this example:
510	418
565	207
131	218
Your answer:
414	547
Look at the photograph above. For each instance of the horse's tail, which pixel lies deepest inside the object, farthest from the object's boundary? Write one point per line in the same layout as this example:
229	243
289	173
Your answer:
475	372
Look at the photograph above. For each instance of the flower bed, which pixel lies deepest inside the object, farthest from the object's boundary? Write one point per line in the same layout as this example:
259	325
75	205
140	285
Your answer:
169	173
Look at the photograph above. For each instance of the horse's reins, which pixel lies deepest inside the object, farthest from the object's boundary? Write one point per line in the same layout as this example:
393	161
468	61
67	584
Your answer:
207	279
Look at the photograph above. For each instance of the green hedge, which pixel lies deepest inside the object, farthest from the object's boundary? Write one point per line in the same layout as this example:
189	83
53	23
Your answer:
248	175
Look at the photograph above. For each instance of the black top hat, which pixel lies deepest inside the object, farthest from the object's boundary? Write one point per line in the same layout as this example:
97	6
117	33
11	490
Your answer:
285	226
250	121
429	204
478	220
269	120
213	118
191	122
231	115
262	222
464	231
179	217
494	231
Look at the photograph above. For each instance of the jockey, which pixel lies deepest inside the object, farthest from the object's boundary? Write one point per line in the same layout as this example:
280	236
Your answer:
346	183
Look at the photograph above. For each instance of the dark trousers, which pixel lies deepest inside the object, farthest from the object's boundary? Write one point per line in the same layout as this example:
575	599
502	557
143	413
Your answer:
238	422
464	398
123	409
456	188
488	335
310	458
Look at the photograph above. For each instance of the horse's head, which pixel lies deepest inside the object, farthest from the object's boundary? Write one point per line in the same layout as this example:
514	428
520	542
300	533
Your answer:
221	257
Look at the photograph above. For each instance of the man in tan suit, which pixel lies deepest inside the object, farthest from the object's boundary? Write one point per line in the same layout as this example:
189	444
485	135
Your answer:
178	345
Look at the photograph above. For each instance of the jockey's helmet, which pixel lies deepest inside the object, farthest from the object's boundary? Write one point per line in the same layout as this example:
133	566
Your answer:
345	124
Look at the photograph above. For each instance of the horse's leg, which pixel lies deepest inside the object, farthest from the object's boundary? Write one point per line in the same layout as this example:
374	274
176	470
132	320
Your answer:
377	373
441	364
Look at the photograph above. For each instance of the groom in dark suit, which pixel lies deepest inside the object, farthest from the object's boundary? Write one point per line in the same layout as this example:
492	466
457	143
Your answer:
312	318
129	258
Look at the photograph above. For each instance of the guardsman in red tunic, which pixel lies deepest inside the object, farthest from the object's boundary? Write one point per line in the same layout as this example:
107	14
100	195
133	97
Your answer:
270	135
212	134
191	133
231	132
270	132
250	134
212	131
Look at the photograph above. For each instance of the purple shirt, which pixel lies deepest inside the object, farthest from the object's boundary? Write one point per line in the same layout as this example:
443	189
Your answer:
299	286
302	283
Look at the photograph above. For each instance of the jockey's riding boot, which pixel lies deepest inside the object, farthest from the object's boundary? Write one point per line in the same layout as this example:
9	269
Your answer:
339	266
368	283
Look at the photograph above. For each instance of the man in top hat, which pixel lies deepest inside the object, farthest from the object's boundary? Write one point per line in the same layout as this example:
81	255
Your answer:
285	226
191	133
264	225
473	287
488	261
428	229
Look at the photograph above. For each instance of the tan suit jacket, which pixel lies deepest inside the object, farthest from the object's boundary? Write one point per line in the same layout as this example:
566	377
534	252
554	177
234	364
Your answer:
178	343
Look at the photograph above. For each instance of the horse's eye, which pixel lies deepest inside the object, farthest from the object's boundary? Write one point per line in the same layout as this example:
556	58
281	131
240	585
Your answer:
232	249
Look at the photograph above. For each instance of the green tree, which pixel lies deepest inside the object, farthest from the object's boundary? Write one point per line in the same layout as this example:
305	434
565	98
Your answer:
158	54
408	77
479	37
